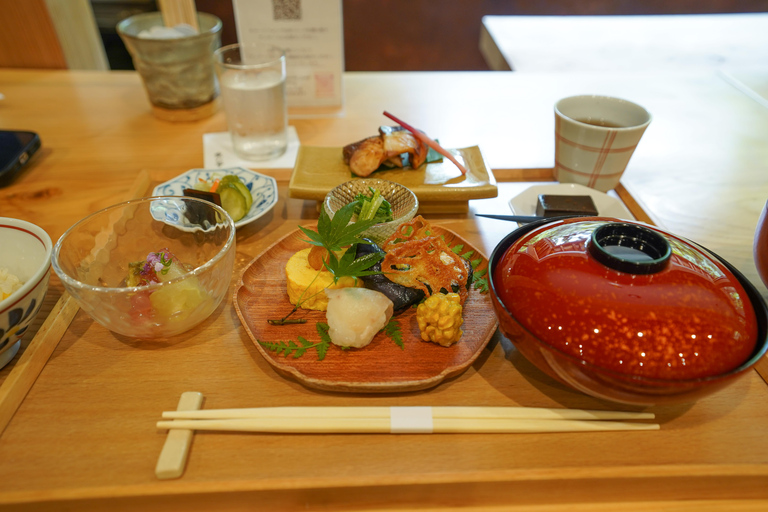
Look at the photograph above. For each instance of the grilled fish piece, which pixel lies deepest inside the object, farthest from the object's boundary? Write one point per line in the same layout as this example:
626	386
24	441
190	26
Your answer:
364	156
394	161
398	140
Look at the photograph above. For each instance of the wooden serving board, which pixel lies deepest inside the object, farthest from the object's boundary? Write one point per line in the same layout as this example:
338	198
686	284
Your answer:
380	367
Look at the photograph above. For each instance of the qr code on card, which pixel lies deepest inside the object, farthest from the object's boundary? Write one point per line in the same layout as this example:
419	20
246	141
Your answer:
286	9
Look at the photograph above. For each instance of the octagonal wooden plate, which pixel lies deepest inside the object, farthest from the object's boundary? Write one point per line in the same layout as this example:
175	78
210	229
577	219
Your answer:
380	367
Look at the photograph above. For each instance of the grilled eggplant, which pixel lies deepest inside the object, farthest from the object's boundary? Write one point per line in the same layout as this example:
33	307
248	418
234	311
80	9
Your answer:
401	296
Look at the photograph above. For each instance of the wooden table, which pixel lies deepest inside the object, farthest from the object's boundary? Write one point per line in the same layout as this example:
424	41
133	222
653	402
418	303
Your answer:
84	436
624	43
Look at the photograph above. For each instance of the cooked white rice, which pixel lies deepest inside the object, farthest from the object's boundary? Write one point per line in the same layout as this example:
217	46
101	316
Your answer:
9	283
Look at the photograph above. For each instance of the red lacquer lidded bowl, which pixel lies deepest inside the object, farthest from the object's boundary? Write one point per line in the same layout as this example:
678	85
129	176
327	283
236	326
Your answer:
625	311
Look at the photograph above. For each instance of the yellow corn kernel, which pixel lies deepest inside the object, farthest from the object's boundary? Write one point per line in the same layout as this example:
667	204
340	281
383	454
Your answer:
440	319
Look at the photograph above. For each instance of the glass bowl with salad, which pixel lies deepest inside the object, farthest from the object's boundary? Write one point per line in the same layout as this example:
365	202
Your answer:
389	202
149	268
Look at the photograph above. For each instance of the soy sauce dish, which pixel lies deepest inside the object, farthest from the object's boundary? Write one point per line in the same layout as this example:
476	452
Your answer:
624	311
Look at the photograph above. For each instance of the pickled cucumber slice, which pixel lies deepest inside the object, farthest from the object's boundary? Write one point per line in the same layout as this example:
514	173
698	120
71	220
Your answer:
233	201
231	178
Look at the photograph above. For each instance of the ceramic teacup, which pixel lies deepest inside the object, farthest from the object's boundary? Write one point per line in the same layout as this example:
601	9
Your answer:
595	137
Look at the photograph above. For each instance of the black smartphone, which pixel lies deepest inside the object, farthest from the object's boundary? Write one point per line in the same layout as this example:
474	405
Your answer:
16	148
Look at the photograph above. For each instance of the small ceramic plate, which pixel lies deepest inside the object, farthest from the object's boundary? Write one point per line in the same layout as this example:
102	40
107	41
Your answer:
319	169
263	188
607	206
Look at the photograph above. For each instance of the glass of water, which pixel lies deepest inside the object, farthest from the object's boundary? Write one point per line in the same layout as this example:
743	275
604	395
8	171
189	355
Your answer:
252	85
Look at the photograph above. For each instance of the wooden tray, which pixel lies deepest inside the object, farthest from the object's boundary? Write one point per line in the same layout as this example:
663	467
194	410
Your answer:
84	437
382	366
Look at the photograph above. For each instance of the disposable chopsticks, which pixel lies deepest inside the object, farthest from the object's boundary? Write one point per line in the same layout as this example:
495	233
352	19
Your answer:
384	425
385	412
399	420
175	12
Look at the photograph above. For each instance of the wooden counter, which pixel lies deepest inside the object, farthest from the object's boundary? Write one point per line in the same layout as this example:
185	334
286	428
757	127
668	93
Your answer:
84	437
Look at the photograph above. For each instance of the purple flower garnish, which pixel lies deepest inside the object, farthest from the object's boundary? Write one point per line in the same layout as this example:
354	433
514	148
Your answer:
160	261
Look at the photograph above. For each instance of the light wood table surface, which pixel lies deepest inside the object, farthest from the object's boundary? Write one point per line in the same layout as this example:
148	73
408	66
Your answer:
84	436
624	43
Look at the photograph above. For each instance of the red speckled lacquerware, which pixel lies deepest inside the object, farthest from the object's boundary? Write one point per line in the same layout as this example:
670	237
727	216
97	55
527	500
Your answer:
625	311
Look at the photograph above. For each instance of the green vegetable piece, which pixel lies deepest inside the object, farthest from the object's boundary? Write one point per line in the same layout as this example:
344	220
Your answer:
236	181
373	207
233	201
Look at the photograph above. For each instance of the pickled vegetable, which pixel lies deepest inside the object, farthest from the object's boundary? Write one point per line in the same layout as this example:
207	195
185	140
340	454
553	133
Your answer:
233	201
228	191
237	182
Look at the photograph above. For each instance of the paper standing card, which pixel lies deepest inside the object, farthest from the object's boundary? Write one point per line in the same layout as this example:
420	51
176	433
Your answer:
310	32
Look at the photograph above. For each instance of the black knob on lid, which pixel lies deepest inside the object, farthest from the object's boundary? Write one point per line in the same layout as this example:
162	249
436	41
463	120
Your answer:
629	248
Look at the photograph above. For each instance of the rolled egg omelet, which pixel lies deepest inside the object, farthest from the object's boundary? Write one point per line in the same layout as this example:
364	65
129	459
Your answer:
306	285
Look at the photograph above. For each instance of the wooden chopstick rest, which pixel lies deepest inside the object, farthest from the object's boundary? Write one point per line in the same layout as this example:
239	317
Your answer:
173	457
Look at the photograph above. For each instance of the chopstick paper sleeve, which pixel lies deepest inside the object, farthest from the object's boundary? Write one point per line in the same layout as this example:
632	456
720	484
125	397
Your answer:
410	420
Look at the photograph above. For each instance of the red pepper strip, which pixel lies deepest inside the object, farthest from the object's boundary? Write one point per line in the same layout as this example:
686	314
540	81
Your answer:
426	140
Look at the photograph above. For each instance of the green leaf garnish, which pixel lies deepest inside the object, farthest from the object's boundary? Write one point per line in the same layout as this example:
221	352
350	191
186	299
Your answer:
289	347
481	280
478	280
433	156
349	266
336	233
322	348
392	329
